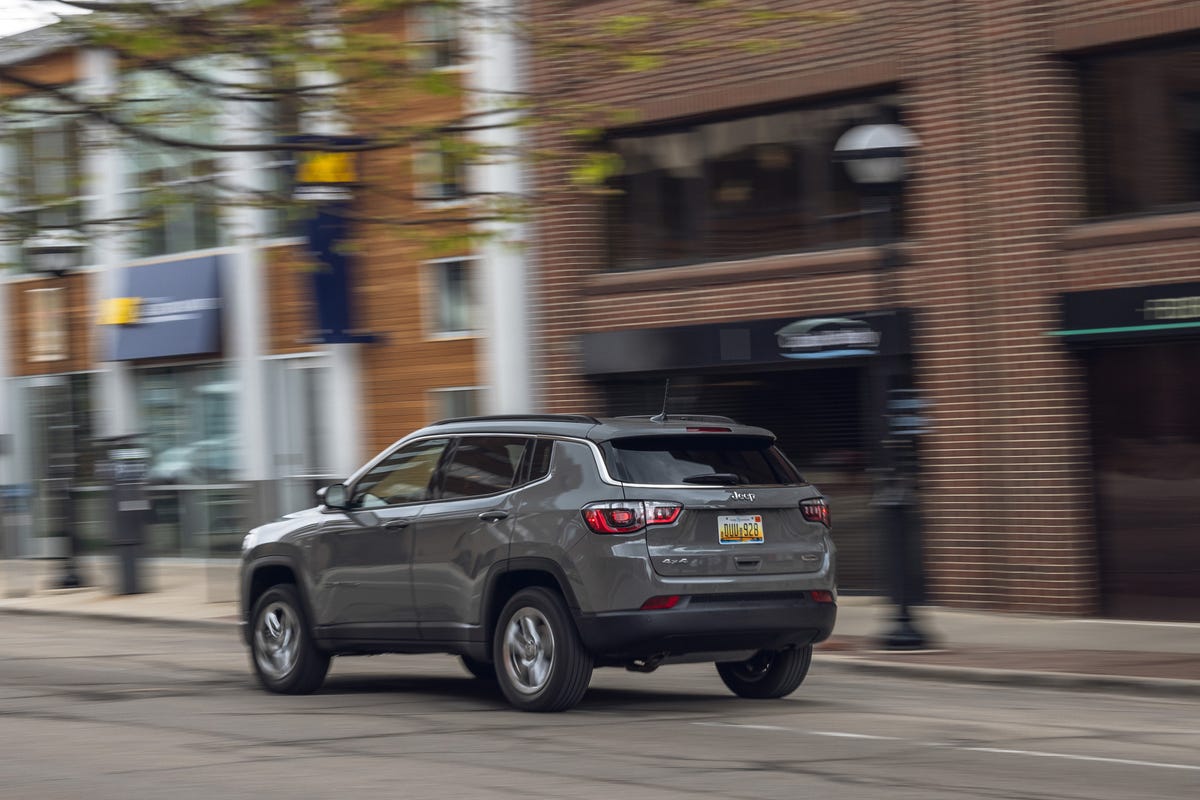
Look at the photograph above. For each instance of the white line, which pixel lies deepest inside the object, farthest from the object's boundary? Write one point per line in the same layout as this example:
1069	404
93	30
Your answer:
1129	762
840	735
734	725
1039	754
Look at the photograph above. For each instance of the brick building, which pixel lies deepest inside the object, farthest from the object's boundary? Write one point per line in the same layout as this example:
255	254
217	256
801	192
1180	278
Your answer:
1045	302
224	372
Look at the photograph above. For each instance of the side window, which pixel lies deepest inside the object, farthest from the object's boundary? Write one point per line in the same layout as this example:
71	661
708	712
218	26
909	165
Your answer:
482	465
539	460
402	477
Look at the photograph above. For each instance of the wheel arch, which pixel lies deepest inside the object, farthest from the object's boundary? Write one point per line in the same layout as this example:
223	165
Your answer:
264	573
514	575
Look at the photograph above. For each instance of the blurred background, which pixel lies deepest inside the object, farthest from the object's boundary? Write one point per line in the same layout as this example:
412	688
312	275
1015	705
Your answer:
246	246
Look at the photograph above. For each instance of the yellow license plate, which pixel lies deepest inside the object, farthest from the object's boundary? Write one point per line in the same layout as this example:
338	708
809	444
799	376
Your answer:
740	530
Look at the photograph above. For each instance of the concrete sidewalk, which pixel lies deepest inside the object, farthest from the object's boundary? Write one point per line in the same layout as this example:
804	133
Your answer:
1030	650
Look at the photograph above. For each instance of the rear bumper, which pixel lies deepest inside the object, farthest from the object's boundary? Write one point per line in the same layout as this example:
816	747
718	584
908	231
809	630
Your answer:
703	625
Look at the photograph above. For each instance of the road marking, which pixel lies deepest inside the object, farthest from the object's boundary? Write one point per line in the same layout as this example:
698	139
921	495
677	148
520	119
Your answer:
735	725
1040	754
840	735
1129	762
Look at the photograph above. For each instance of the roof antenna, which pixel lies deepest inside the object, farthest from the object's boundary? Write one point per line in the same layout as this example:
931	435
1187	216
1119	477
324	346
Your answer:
662	417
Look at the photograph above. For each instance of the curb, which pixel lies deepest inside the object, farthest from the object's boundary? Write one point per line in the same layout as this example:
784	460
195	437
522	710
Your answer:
178	622
1077	681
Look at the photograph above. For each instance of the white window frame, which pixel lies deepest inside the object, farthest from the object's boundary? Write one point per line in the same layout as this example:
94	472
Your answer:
430	169
435	397
434	299
435	35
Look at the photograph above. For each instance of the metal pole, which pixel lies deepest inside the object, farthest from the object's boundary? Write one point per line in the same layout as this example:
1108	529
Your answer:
895	498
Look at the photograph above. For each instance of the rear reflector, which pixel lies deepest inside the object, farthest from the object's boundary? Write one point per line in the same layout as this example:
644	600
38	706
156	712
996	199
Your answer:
661	603
821	596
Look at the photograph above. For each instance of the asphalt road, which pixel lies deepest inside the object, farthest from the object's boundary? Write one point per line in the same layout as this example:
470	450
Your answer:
92	709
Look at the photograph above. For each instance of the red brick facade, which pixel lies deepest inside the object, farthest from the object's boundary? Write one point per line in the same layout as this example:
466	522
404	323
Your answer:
997	230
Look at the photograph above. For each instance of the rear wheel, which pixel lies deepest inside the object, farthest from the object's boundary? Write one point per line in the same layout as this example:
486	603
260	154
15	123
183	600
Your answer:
768	673
540	663
282	650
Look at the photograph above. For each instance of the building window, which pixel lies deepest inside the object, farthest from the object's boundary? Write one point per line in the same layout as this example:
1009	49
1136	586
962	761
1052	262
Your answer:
46	186
460	401
738	187
173	188
434	37
438	170
453	302
1141	129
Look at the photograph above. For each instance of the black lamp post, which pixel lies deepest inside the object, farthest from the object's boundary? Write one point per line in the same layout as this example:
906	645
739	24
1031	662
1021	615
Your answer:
55	252
875	158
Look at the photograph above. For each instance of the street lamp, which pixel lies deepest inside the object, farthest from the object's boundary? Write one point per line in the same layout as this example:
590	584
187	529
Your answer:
875	156
55	252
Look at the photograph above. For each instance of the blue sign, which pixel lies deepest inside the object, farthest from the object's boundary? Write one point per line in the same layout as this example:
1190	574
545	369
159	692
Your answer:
166	309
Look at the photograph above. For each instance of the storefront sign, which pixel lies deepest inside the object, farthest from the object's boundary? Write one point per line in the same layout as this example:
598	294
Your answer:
168	309
325	176
1137	311
832	337
748	343
47	324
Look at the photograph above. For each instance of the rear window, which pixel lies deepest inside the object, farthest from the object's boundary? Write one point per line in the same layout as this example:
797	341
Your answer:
700	460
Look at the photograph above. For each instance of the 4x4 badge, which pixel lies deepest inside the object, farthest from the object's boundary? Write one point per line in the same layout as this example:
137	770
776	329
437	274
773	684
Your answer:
747	496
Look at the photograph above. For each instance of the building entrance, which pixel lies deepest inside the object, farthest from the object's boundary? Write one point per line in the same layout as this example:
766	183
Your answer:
1145	405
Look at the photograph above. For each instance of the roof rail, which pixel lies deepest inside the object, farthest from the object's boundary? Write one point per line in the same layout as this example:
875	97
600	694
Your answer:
523	418
686	418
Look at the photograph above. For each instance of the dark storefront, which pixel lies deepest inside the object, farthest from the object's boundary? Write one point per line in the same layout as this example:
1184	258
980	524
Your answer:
1142	349
819	401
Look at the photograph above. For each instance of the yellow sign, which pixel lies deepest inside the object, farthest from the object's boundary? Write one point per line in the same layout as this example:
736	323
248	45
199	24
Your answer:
120	311
326	168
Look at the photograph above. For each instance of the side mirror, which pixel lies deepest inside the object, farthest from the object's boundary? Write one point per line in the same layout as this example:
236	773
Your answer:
334	496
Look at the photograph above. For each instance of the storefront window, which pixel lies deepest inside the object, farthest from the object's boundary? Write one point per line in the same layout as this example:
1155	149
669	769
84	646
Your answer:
187	415
733	188
59	452
1141	129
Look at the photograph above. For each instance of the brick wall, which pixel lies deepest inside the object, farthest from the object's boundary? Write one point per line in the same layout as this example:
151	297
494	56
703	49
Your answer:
996	231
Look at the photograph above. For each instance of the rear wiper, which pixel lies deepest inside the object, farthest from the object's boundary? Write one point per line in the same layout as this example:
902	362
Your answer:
714	479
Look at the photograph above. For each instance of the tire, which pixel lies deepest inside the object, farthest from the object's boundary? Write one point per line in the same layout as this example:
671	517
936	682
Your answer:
541	665
484	670
768	673
282	651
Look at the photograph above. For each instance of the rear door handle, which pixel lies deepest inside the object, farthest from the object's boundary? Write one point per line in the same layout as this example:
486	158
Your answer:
396	524
493	516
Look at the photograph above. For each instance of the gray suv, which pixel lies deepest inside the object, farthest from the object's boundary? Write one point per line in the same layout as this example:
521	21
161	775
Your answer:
539	547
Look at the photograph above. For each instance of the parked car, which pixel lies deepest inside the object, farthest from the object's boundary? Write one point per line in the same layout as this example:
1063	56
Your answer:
539	547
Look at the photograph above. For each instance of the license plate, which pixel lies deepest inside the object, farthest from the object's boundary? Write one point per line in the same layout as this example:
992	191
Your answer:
740	530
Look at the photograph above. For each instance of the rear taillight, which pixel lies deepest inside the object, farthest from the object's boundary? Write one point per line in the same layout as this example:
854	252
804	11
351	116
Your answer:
816	510
629	516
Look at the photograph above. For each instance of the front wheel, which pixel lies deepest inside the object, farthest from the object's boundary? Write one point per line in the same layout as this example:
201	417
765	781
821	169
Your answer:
540	663
768	673
285	658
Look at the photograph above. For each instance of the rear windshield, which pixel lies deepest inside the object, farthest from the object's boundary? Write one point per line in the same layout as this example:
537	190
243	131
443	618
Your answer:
700	460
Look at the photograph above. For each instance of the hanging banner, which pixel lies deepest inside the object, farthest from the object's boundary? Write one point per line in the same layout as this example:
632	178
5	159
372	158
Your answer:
327	179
